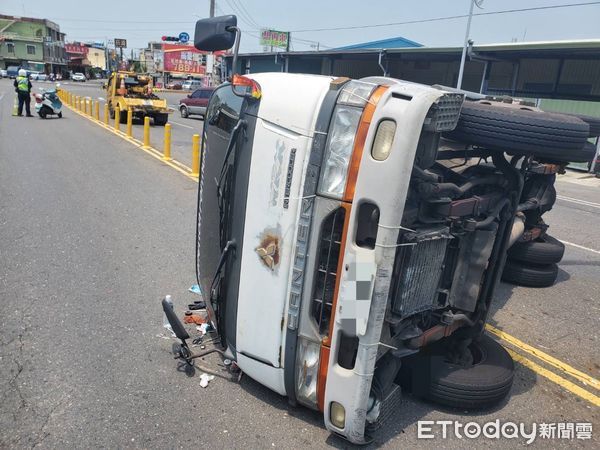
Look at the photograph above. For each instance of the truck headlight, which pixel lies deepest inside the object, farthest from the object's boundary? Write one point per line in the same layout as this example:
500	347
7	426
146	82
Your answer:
338	150
307	372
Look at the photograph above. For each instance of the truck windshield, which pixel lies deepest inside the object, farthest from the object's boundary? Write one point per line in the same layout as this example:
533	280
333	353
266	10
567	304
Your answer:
221	206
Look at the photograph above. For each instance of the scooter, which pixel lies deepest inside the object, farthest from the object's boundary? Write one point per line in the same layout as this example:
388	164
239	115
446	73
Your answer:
47	103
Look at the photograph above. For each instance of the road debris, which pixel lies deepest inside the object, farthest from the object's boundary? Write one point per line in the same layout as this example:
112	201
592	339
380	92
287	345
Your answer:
194	318
205	379
195	289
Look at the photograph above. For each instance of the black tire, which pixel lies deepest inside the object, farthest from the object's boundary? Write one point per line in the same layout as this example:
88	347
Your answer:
544	250
111	113
184	111
123	116
530	275
60	115
519	129
480	385
583	155
593	122
42	113
161	120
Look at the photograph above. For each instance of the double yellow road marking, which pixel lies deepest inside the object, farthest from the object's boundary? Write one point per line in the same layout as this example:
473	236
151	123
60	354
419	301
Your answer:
562	367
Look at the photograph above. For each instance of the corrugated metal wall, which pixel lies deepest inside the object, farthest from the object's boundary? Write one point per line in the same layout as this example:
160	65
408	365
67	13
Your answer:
571	106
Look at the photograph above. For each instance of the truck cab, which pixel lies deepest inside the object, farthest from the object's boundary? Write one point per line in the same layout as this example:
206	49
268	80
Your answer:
322	264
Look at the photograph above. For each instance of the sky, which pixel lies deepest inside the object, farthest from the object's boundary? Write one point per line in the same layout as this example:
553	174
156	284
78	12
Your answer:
142	21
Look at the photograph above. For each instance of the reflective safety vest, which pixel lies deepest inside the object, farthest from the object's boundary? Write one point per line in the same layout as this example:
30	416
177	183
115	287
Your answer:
23	84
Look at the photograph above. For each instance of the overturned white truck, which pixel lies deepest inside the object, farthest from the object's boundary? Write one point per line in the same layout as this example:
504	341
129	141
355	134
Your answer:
342	256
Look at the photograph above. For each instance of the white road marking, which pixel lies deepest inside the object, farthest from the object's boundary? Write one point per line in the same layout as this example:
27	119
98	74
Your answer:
182	125
101	98
578	201
580	246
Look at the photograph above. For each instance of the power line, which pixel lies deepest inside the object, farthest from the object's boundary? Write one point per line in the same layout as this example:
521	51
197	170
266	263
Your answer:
240	13
437	19
63	19
241	5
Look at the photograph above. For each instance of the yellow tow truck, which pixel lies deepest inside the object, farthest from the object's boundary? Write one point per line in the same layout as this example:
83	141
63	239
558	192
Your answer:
129	90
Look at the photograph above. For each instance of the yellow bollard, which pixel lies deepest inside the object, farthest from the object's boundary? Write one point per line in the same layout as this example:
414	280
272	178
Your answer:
91	106
167	143
129	122
146	132
97	111
77	102
196	155
117	118
106	113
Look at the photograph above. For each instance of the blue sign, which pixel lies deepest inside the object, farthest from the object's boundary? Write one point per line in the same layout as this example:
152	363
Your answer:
184	37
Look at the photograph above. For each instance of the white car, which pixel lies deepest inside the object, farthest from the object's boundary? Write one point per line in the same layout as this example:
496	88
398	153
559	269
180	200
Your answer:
3	73
78	76
190	85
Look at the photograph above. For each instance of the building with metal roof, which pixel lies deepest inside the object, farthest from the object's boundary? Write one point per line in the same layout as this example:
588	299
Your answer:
549	69
396	42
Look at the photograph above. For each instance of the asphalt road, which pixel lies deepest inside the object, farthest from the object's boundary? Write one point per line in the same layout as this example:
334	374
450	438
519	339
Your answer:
182	129
93	232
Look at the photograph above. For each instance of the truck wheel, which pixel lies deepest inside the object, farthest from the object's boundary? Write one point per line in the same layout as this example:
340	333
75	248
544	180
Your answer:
111	113
123	116
520	129
593	122
481	384
544	250
583	155
184	112
530	275
161	120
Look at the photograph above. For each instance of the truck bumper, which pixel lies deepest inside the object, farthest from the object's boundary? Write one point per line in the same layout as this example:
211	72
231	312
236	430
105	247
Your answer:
350	388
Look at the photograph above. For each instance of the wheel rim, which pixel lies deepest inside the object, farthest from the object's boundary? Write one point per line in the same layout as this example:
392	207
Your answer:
184	112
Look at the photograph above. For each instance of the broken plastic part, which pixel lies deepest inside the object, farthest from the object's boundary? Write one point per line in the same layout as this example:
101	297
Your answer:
205	379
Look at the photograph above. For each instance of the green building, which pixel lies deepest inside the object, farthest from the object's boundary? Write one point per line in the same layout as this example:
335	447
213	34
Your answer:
34	44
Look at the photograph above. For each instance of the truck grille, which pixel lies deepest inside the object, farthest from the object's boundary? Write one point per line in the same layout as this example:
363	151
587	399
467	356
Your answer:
326	275
444	114
419	269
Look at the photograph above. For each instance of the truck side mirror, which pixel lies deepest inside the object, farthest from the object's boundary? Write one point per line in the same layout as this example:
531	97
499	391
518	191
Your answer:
218	33
215	33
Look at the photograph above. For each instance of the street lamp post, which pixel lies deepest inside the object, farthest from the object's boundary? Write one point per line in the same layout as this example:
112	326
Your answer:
466	43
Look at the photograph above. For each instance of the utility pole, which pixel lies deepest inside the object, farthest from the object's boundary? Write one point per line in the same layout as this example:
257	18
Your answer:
213	75
466	43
